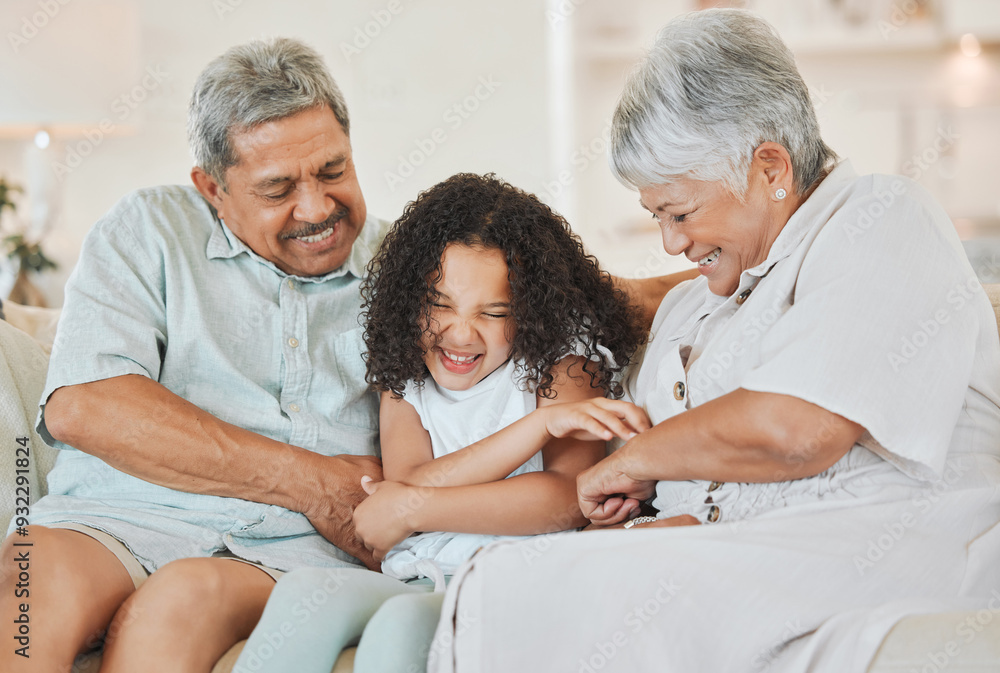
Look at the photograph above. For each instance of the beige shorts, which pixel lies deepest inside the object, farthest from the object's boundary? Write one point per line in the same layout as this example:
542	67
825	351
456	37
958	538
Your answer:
135	569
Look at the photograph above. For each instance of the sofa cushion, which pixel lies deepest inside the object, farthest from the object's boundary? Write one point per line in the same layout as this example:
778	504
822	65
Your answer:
993	292
23	363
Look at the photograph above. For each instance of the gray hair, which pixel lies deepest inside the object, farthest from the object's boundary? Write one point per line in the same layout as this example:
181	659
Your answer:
252	84
715	85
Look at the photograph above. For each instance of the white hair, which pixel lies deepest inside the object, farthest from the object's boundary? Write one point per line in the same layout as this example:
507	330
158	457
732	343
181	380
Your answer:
715	85
252	84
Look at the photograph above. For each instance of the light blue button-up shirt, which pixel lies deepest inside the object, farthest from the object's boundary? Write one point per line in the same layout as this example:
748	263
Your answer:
163	289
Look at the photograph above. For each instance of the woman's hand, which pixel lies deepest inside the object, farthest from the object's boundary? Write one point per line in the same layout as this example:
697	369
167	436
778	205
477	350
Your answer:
609	492
383	519
594	419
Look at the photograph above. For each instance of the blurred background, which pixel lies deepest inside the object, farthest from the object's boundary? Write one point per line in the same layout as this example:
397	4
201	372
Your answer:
93	97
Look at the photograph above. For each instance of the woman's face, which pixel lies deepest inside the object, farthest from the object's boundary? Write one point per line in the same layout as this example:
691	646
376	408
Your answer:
470	323
712	228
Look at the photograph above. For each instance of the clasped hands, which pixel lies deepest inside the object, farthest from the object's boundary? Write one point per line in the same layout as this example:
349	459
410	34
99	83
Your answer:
609	493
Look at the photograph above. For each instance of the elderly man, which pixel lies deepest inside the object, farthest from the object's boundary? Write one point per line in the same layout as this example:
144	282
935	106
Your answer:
207	385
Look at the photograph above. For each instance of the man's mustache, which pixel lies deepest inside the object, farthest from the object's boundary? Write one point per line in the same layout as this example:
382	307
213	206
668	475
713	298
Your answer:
311	229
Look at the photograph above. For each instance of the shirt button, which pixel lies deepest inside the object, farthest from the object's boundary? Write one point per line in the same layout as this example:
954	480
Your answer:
714	513
294	407
291	284
743	296
293	342
679	390
714	486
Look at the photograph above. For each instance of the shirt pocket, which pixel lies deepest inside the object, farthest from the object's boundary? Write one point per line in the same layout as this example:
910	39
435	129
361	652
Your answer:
359	407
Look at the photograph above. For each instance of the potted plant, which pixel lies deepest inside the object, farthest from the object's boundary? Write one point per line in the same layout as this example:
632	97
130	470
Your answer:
26	253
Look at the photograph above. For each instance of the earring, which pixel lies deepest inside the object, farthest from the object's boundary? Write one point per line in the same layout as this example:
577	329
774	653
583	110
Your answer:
780	194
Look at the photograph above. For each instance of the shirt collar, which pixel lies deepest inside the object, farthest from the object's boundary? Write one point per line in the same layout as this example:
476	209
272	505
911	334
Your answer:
804	219
224	244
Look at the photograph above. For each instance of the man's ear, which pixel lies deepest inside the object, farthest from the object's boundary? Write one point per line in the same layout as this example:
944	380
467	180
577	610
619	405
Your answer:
208	187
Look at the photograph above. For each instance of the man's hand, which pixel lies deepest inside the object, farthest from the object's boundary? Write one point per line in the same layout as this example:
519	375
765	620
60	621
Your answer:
383	520
333	514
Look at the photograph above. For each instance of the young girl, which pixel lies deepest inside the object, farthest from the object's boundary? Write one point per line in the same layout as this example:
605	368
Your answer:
493	339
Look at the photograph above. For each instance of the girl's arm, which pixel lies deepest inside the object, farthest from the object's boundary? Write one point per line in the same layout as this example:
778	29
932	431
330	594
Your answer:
406	447
536	502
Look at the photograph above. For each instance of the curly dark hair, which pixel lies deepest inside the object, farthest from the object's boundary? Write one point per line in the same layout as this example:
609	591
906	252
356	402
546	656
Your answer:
559	294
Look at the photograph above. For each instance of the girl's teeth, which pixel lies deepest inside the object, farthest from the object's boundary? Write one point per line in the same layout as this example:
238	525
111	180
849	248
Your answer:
316	238
460	359
711	257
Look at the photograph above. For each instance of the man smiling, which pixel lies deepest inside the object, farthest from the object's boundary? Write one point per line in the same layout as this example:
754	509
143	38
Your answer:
206	385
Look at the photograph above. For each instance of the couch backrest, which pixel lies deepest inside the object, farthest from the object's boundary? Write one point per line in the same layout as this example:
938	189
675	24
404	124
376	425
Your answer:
993	291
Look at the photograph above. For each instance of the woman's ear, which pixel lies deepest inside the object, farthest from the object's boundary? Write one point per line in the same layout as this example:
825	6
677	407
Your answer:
772	165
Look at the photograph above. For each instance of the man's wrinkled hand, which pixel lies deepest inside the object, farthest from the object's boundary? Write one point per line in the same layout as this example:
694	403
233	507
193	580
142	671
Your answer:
333	513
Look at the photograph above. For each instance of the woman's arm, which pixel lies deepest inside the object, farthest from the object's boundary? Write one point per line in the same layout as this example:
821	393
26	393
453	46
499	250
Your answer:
406	446
648	293
744	436
536	502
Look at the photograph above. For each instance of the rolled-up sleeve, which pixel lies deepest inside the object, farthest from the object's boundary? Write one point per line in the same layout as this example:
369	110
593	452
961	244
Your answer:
113	321
882	328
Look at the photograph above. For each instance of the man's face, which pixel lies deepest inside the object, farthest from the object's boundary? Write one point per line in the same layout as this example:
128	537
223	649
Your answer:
293	197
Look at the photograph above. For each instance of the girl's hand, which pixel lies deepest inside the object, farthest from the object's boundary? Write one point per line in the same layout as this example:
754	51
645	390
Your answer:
595	419
608	494
383	519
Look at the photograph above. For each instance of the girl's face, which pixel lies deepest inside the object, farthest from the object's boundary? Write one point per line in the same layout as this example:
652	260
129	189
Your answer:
470	324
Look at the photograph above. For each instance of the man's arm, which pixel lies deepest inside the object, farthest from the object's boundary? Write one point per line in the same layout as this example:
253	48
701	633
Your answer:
647	293
139	427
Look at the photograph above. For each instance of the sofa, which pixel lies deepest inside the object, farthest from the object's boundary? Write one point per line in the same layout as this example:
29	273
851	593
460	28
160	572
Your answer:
917	643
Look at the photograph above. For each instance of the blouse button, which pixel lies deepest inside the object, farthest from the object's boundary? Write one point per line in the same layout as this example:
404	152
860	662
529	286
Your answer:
714	514
743	296
293	342
679	390
714	486
294	407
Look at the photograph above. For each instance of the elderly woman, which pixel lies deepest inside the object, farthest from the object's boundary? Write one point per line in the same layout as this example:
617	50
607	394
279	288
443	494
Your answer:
824	401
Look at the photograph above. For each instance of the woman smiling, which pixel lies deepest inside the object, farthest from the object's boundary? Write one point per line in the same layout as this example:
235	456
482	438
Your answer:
824	402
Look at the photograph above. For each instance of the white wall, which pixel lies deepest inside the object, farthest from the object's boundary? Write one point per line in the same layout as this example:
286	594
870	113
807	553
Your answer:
402	84
882	96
